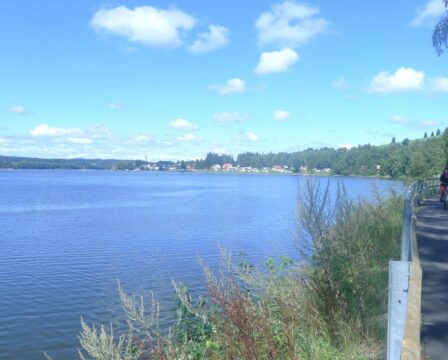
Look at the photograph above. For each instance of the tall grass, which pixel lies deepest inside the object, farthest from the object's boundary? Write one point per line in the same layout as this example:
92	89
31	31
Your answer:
347	247
330	306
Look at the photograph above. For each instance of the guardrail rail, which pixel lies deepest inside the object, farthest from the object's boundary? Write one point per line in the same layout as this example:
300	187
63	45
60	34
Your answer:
405	281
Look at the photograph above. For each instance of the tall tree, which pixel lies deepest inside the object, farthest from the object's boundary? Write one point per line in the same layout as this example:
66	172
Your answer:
440	34
445	144
426	135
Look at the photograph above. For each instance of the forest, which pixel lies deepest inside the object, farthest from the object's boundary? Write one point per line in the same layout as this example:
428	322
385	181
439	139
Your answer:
408	158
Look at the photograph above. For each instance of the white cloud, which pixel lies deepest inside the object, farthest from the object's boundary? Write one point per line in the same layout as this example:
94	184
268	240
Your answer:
281	115
276	61
341	83
289	24
345	146
216	38
142	138
182	124
187	138
229	117
439	84
146	25
98	132
18	109
431	12
398	119
219	150
383	134
431	122
232	86
251	136
116	105
81	141
404	79
45	130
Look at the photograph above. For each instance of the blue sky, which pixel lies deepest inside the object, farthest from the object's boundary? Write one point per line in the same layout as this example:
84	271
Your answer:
175	80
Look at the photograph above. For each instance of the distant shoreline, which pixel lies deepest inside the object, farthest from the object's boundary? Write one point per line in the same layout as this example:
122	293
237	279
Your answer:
224	173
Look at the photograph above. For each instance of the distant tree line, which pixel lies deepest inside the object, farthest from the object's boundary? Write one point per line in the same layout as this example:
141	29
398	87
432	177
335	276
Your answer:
213	159
408	158
421	157
13	162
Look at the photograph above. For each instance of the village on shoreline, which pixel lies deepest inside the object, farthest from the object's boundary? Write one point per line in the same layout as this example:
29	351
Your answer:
229	168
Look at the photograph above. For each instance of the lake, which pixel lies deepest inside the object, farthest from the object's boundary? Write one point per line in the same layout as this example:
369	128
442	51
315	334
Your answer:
67	236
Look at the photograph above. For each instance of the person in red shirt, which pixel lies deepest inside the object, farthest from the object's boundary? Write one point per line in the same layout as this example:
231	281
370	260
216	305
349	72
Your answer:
443	183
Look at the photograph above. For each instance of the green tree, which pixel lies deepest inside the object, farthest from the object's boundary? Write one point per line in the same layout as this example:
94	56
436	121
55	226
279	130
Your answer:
393	140
426	135
440	34
434	156
432	133
438	133
125	165
445	144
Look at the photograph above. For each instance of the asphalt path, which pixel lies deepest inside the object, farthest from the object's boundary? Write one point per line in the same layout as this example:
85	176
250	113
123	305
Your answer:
432	235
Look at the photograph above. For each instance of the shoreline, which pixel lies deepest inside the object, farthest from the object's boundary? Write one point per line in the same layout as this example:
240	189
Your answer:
224	173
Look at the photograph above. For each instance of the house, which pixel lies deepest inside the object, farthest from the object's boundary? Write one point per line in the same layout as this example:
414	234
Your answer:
216	167
227	167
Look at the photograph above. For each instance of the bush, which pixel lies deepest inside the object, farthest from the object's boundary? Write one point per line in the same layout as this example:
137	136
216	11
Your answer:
329	306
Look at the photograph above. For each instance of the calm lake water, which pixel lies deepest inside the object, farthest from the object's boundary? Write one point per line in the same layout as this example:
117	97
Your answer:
67	236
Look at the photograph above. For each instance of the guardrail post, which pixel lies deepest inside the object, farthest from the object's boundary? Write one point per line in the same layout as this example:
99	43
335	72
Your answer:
406	231
398	301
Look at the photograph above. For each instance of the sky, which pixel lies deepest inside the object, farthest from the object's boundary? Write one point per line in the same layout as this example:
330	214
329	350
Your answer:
176	80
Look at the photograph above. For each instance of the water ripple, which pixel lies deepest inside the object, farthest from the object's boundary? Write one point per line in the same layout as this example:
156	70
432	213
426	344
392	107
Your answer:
66	237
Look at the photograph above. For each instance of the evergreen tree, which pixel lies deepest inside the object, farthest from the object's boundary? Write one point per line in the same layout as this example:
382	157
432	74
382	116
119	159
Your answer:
438	132
432	133
426	135
393	140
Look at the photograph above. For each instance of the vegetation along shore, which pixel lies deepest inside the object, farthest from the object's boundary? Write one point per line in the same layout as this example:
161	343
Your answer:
407	158
332	305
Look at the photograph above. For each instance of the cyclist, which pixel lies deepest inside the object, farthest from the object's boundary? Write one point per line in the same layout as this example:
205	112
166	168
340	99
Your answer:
443	183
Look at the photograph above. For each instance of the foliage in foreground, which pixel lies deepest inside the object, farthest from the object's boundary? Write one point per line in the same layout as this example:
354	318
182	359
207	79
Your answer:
440	34
331	306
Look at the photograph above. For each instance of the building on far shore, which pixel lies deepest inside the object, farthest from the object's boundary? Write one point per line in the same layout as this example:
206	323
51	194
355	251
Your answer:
277	168
227	167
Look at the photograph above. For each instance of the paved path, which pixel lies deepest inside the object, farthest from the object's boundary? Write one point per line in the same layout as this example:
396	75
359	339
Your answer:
432	235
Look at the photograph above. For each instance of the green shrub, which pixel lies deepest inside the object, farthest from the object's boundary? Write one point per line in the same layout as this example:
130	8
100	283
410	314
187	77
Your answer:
331	305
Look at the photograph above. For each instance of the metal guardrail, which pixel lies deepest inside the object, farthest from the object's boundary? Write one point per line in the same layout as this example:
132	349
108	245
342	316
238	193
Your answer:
404	311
